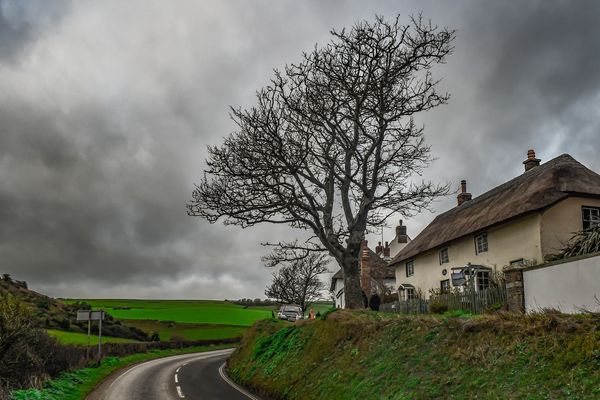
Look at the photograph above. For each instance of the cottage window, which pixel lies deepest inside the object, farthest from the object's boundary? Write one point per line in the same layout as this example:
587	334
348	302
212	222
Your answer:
444	256
483	280
590	216
410	268
445	286
481	243
410	294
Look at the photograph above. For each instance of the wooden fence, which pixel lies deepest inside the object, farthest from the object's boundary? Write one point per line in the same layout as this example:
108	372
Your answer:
475	302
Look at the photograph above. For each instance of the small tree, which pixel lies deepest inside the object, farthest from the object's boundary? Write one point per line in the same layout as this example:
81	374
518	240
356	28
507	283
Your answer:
297	282
331	146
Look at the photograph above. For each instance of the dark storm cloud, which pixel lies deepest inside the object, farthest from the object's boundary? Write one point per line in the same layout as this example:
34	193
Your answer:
524	75
106	109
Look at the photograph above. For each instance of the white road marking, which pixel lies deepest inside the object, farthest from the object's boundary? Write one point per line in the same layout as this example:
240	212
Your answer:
176	380
177	370
179	392
233	385
118	384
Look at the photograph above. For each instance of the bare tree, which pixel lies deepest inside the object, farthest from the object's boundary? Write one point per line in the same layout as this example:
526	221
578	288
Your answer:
331	146
297	282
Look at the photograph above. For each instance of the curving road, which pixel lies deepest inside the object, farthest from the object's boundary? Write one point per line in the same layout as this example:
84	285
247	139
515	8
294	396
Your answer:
186	376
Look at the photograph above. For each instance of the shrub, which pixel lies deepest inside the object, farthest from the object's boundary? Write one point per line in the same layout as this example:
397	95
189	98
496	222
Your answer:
26	352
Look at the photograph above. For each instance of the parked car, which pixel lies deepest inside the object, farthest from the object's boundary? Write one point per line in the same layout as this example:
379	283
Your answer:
290	313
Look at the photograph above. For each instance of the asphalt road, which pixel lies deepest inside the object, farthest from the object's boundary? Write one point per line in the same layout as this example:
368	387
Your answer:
187	376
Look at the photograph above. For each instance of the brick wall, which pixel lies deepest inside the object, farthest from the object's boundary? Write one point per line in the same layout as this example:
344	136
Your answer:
515	292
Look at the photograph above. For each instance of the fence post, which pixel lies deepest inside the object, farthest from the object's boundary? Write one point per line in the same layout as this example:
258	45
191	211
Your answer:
515	292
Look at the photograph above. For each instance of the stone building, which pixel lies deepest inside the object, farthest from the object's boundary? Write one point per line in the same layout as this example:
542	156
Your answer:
376	276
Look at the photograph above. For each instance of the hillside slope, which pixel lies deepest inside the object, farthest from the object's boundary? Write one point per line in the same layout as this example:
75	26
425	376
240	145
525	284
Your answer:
360	355
50	313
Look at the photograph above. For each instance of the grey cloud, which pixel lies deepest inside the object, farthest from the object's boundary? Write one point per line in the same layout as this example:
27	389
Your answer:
106	109
21	23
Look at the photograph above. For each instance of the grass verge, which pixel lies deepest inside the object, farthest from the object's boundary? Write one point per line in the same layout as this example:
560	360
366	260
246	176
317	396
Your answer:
363	355
76	385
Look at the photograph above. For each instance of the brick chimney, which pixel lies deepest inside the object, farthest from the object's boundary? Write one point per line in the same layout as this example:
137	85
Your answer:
386	250
531	161
401	235
463	196
378	249
365	269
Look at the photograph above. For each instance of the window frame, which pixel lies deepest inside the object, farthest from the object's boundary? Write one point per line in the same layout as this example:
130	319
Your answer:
412	268
447	288
482	282
591	221
410	293
444	250
487	247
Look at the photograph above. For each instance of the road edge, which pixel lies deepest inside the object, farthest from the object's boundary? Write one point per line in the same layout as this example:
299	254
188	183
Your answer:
234	385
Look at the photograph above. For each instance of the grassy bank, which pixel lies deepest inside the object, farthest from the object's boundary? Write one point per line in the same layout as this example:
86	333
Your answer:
364	355
76	385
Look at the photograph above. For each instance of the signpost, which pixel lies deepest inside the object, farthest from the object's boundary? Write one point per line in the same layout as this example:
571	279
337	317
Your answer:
89	316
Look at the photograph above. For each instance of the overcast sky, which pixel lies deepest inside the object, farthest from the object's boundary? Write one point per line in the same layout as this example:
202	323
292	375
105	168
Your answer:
106	109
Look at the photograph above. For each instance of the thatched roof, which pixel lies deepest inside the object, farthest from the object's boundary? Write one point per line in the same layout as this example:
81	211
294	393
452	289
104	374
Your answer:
379	270
534	190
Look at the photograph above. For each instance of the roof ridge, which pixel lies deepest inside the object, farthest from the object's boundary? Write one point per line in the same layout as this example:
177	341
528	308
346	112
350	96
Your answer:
534	171
532	190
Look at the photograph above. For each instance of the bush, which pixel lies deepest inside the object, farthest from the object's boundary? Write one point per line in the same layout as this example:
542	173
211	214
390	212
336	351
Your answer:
437	307
26	352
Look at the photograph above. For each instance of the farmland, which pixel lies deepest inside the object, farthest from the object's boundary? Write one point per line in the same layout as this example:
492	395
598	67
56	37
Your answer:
186	311
186	319
82	338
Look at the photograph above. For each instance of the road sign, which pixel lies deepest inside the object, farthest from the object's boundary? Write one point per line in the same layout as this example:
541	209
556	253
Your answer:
88	315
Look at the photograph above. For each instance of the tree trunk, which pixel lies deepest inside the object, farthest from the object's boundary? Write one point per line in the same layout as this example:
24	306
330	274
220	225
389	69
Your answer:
353	293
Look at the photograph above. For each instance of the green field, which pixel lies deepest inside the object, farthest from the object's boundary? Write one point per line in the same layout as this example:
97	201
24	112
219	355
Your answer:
188	311
82	338
187	319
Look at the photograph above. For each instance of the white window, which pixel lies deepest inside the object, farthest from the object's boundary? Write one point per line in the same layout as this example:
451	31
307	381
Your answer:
590	216
481	243
410	293
444	256
483	280
410	268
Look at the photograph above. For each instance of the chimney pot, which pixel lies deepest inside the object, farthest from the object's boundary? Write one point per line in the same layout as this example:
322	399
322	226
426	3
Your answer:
531	161
386	250
463	196
401	233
